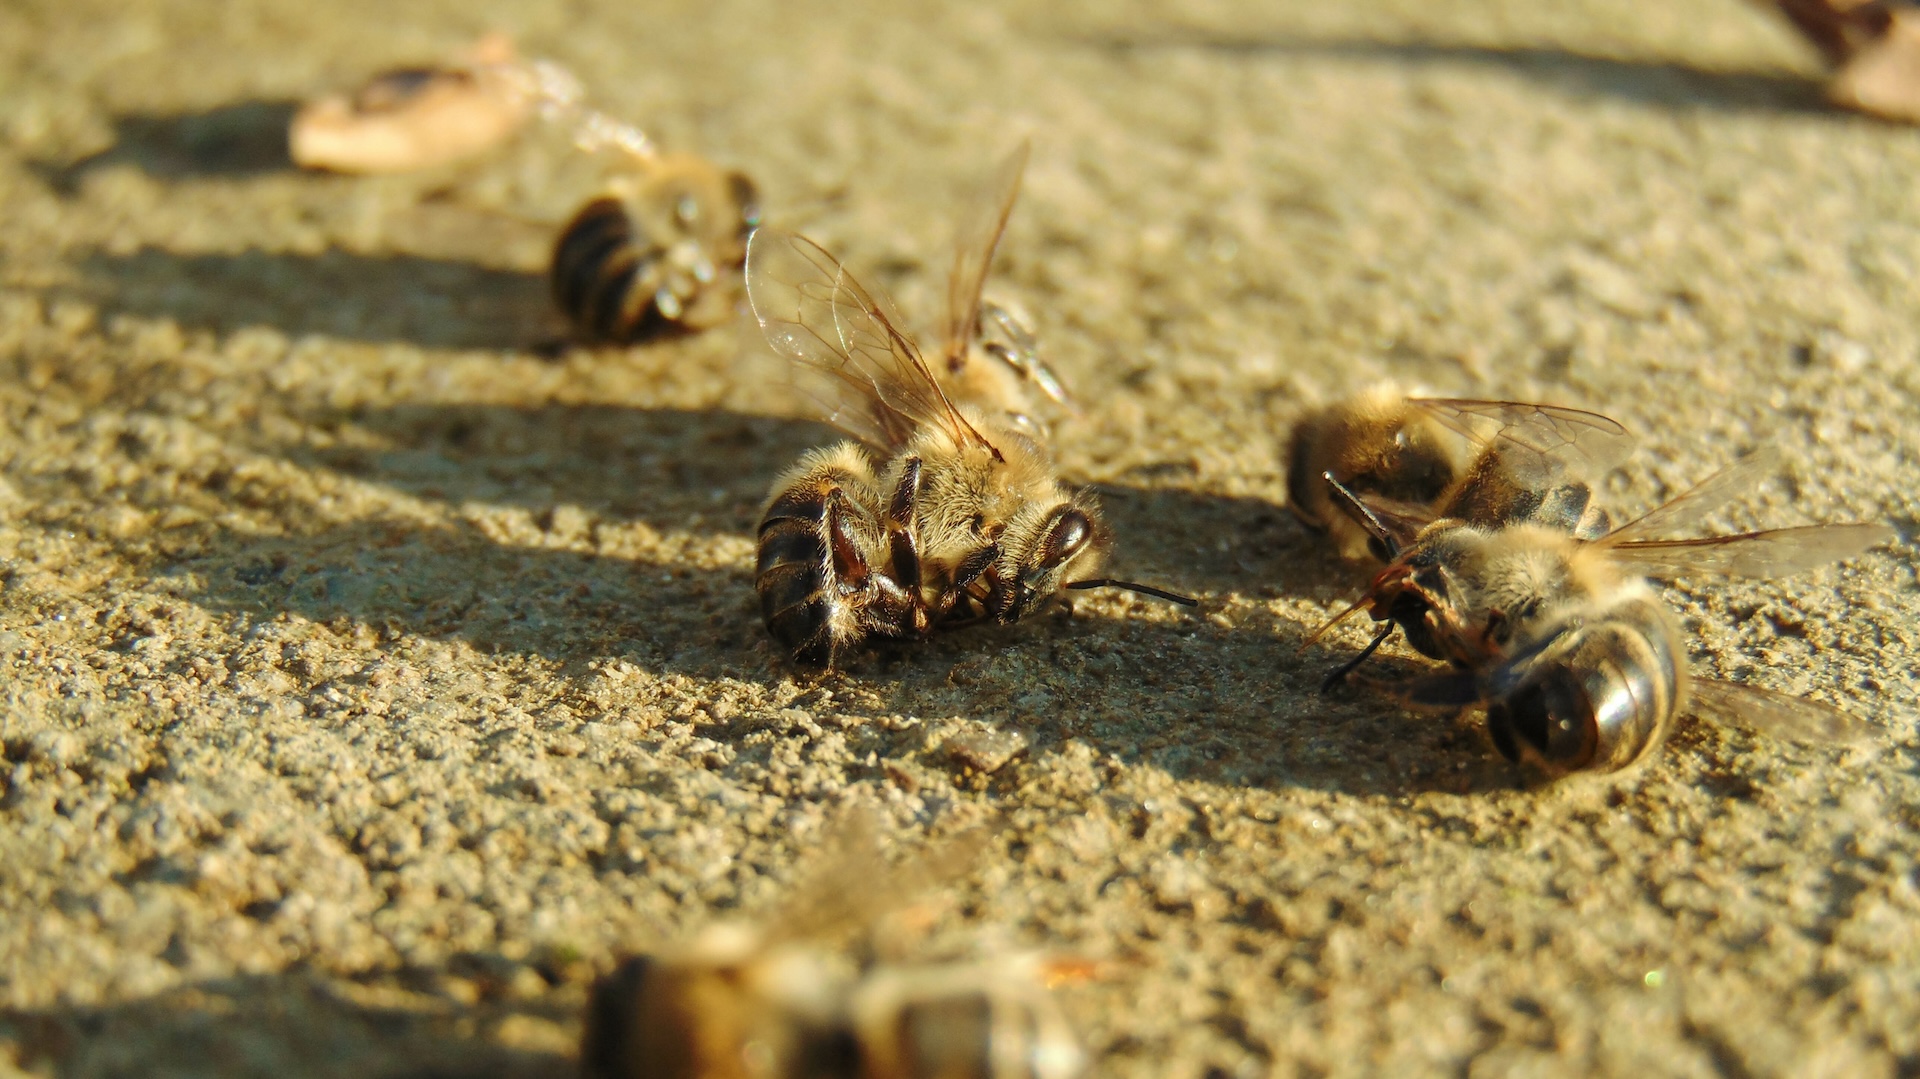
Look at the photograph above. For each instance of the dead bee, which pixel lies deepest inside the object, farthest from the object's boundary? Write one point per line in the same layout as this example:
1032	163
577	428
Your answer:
961	516
1575	657
989	1019
1482	461
415	118
647	254
733	1004
779	1001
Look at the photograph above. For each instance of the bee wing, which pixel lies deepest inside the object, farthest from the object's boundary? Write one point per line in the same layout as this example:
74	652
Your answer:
1403	519
1703	498
1775	553
973	254
1767	712
1539	443
872	381
850	886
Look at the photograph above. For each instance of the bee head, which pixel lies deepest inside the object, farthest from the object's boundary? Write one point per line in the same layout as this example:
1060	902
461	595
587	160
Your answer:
1039	559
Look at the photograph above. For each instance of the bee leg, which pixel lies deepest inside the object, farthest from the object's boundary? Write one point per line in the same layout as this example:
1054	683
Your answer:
849	564
902	511
1340	673
965	576
889	609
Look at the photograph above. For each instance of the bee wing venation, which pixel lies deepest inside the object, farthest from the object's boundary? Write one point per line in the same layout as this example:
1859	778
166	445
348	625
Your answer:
1779	552
1701	500
870	379
1404	519
1779	715
1550	440
978	238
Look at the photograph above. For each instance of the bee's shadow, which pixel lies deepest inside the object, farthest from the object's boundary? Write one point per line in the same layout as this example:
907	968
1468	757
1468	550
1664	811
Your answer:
276	1024
243	138
428	301
562	532
1235	701
1668	84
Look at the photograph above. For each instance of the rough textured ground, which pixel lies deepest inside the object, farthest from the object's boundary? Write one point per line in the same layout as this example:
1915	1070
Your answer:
373	672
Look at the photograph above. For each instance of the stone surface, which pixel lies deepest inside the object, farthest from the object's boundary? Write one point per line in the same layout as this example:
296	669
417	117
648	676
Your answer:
374	671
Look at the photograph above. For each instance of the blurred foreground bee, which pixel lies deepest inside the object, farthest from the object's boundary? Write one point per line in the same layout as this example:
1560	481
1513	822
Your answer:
958	516
1575	657
1481	461
777	1001
647	254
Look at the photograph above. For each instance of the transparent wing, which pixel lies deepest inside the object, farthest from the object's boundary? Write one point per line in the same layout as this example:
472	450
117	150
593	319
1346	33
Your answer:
1776	553
872	382
1777	714
850	886
1693	505
1404	519
973	254
1005	336
1538	443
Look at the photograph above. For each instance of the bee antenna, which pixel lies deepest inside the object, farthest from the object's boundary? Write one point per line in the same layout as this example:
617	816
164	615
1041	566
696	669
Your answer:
1332	622
1143	589
1339	674
1365	517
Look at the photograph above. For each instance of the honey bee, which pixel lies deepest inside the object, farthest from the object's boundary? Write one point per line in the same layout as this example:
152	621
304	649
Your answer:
1480	461
1563	639
647	254
777	1001
951	511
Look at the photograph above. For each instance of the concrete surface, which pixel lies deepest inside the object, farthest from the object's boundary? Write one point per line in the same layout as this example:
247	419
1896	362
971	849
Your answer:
374	670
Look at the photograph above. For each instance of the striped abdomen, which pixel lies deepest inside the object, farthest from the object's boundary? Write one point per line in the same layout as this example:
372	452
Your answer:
608	276
644	260
934	1025
794	574
1489	495
1598	695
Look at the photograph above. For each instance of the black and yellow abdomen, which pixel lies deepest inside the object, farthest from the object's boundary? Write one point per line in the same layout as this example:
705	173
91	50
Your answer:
649	256
1598	695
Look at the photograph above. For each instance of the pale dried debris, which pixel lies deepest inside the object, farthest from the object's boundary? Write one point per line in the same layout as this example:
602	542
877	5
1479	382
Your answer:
417	118
1873	47
1883	78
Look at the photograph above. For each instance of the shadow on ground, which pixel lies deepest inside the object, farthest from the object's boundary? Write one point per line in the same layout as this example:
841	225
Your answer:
430	302
276	1025
246	138
1664	84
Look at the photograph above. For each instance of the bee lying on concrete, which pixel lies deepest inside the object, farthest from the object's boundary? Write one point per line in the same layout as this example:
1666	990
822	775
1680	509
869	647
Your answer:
951	512
777	1000
651	252
1555	629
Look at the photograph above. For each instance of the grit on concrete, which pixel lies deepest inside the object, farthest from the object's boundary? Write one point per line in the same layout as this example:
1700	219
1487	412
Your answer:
376	670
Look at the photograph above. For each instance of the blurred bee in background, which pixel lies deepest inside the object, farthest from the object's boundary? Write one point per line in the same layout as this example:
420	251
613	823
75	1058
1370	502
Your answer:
1579	663
649	252
780	1000
1490	462
958	515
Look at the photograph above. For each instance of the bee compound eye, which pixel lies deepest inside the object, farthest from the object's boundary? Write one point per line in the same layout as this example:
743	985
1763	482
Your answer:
1070	534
